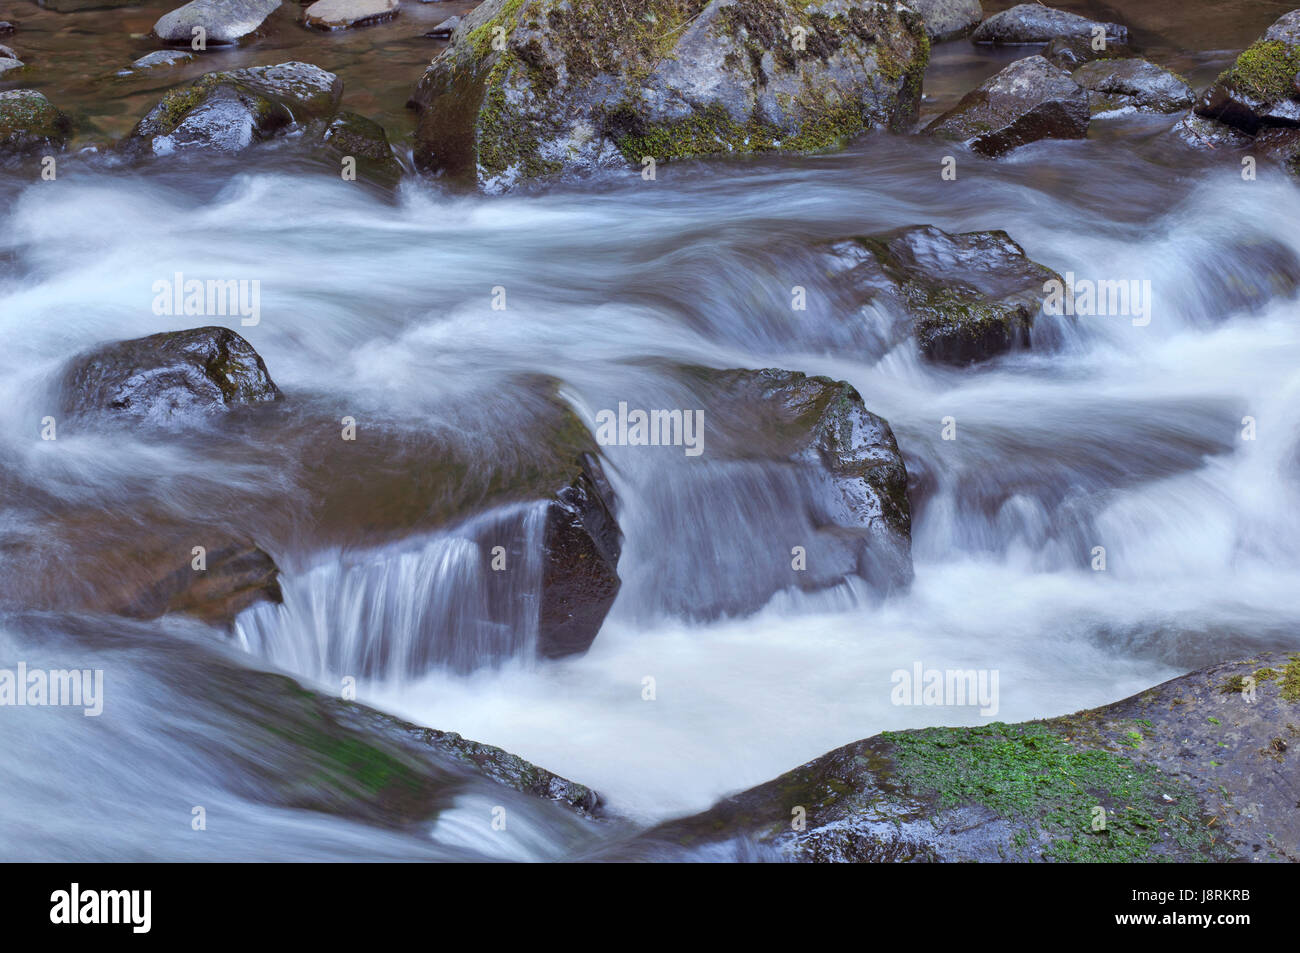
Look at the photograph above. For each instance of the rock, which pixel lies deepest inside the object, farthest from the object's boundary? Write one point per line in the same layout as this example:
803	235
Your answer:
168	377
1282	145
965	298
579	577
6	27
1262	88
342	14
1210	133
1132	83
1029	100
444	29
1200	768
1035	23
162	58
8	63
238	574
1071	52
29	123
581	85
948	19
366	142
229	111
223	21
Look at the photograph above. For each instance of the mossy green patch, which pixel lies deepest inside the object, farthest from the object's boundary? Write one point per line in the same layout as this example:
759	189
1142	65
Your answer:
1266	70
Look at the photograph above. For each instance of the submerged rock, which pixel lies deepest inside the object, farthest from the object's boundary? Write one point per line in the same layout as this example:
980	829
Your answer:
1132	83
1029	100
533	88
342	14
1200	768
948	19
1071	52
161	58
29	123
1035	23
229	111
169	377
236	575
966	297
223	21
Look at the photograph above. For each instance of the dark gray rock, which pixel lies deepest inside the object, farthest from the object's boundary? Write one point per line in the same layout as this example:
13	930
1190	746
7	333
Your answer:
1031	23
1029	100
365	141
444	29
587	85
1133	84
948	19
1262	88
1200	768
29	123
6	27
224	21
965	298
160	58
1071	52
169	377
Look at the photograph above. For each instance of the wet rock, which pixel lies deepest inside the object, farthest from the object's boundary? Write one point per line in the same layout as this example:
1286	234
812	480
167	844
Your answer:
365	141
1035	23
161	58
223	21
1200	768
1210	133
948	19
6	27
1282	145
1262	88
444	29
1029	100
580	576
29	123
229	111
965	297
343	14
169	377
10	63
584	85
1132	83
1071	52
237	574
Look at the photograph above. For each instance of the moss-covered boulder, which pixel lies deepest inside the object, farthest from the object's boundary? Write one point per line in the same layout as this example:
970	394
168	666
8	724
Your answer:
1132	84
229	111
533	88
964	298
168	377
1262	88
30	123
1029	100
1200	768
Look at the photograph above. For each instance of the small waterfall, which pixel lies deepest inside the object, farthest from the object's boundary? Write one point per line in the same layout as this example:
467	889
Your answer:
398	611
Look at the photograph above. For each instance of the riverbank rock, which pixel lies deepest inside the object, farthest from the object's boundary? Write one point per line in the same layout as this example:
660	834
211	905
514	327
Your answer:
1132	84
575	86
223	21
580	579
948	19
344	14
1260	89
30	123
229	111
1031	23
1200	768
965	297
1029	100
169	377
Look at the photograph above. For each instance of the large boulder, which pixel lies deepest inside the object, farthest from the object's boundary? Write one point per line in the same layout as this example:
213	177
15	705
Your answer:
965	297
229	111
1262	88
1029	100
1132	84
223	21
533	88
1031	23
169	377
948	19
30	123
343	14
1200	768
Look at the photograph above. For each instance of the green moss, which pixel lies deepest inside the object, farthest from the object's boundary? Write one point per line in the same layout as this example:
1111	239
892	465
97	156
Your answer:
1266	70
1051	787
1290	677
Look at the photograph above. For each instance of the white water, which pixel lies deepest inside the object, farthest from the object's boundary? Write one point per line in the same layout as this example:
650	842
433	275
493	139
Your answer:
1119	436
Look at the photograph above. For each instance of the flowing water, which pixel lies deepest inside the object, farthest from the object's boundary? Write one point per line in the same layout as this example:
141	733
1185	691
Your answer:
1109	433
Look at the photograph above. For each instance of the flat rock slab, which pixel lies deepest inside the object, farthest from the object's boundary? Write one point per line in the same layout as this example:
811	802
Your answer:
223	21
1031	23
342	14
1029	100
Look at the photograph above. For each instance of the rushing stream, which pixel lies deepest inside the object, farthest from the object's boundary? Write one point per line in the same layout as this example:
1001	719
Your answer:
1108	433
